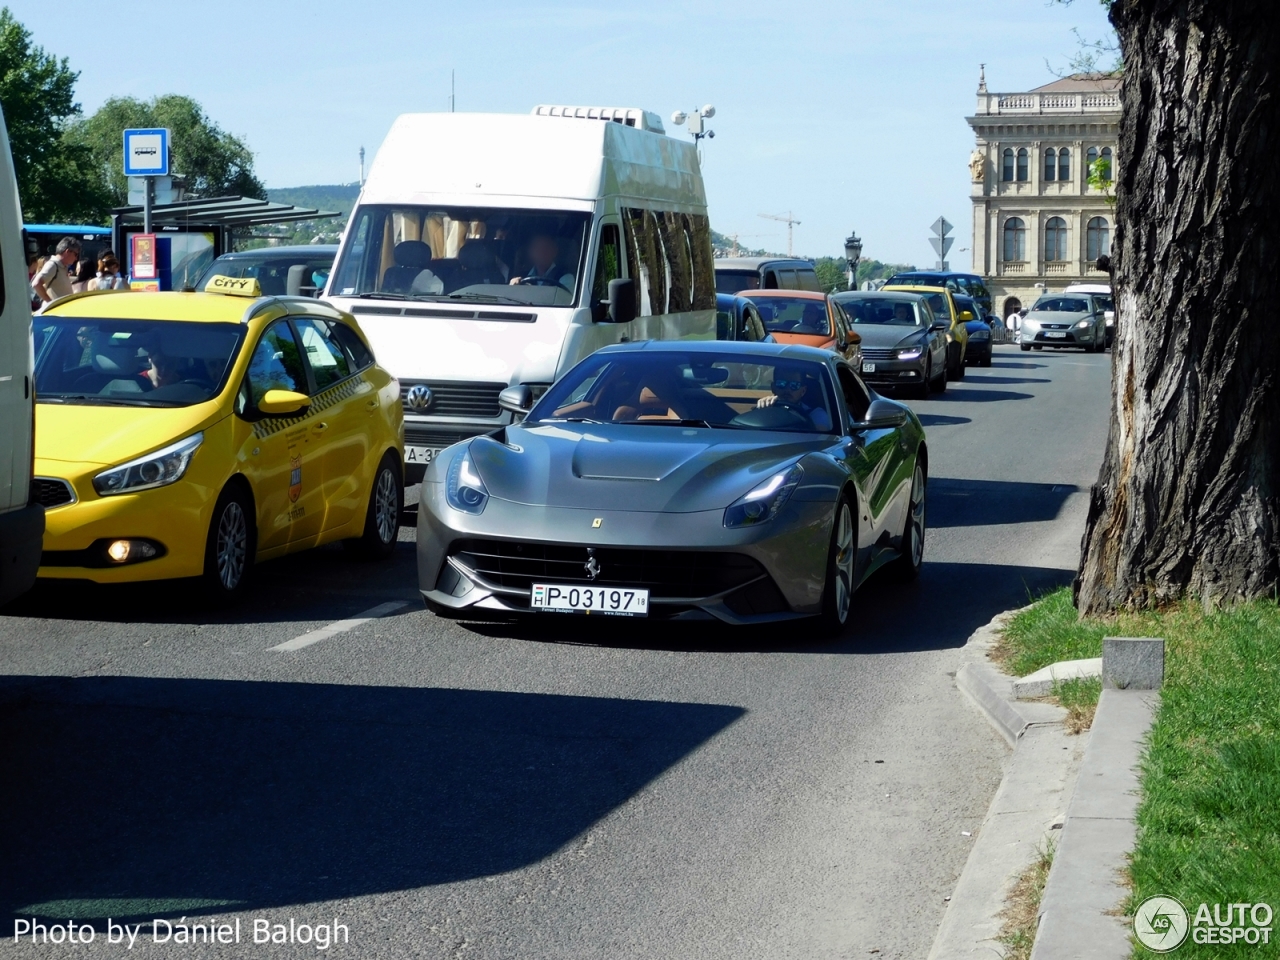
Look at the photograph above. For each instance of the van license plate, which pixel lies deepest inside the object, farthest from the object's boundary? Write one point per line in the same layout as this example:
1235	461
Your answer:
868	368
422	455
610	601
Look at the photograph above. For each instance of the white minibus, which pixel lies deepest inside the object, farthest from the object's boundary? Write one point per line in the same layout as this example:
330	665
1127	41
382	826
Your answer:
489	251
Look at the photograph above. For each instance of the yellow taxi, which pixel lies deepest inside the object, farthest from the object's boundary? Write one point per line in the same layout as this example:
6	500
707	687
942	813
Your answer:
194	434
945	308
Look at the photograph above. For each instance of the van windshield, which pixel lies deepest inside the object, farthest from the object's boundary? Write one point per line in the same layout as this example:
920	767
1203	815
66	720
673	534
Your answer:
735	281
472	254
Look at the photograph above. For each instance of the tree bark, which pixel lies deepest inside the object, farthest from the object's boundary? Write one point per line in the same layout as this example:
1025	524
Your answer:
1188	498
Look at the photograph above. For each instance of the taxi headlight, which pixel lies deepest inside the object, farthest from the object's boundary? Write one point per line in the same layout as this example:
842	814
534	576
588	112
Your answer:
158	469
464	489
766	501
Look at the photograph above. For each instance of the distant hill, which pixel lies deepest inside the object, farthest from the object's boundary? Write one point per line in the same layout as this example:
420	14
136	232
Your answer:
338	196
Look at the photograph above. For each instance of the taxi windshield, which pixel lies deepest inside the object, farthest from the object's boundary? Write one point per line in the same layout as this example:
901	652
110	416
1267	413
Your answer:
471	254
792	314
148	363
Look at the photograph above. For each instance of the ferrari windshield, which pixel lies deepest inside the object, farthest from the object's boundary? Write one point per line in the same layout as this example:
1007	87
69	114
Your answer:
671	388
792	314
148	363
476	254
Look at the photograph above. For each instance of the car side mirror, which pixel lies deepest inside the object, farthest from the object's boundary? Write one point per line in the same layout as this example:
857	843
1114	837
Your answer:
282	403
882	415
966	315
940	325
621	305
518	399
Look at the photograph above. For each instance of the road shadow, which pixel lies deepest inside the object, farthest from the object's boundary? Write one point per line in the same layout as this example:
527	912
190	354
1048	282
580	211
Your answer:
980	503
312	585
942	420
960	394
938	611
1018	365
135	797
985	379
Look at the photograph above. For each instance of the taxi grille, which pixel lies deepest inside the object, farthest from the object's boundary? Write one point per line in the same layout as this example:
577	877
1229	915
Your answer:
456	398
51	492
668	574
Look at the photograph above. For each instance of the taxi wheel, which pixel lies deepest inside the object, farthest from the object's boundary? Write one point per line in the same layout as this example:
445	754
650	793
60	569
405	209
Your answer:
382	521
228	554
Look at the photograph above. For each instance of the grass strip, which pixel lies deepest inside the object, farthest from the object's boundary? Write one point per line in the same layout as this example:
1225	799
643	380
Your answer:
1209	819
1021	913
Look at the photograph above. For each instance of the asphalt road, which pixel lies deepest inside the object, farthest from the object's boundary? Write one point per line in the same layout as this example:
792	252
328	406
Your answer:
600	790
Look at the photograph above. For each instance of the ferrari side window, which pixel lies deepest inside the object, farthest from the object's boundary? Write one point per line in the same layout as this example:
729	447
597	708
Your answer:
855	394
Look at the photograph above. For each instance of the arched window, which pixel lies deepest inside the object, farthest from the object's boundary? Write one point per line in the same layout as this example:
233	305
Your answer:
1006	171
1050	163
1022	163
1064	164
1091	157
1106	158
1055	239
1015	239
1097	238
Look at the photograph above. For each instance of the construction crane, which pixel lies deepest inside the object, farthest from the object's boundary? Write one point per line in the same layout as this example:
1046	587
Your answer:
790	221
734	237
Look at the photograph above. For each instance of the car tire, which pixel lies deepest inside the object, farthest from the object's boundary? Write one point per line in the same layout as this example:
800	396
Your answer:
940	379
1038	347
922	390
382	518
961	368
986	361
907	566
955	365
230	546
842	556
1026	348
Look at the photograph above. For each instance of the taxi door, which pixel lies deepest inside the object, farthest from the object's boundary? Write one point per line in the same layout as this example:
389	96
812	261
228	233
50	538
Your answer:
279	458
341	424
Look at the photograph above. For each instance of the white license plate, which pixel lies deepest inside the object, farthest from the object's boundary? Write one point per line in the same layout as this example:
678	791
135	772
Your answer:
1056	334
421	454
610	601
868	368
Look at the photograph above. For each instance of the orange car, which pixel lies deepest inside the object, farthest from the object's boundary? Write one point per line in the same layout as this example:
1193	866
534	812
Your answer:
810	318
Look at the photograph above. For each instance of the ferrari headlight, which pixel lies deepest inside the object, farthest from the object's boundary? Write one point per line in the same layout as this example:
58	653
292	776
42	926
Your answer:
464	489
158	469
908	353
766	501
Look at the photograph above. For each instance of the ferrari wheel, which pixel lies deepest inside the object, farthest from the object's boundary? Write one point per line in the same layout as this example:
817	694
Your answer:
837	596
907	566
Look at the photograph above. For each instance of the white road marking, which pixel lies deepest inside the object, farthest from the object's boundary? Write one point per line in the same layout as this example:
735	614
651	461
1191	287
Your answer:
338	626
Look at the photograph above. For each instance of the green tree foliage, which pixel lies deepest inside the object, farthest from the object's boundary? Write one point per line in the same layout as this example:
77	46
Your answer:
214	162
57	180
832	272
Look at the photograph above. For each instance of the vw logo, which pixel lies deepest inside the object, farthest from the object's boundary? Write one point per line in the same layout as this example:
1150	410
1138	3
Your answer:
592	566
419	397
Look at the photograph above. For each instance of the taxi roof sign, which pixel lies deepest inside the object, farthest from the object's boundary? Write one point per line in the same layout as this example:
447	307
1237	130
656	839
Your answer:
236	286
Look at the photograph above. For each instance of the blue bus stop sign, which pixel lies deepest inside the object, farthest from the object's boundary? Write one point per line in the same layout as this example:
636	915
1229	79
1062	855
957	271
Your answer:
146	153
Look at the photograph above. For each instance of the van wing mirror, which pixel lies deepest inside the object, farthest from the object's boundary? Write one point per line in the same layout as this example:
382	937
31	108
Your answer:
621	306
518	399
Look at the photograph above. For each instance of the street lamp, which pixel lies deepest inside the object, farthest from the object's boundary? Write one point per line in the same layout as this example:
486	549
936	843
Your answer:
852	254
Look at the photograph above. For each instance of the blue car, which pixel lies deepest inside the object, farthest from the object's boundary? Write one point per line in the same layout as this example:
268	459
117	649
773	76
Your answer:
979	327
737	318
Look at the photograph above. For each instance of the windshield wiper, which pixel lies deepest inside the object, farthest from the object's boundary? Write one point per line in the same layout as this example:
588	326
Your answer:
565	420
380	296
675	423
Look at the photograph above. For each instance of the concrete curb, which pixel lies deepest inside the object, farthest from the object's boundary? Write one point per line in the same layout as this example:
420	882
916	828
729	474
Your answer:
1031	799
1041	683
1078	914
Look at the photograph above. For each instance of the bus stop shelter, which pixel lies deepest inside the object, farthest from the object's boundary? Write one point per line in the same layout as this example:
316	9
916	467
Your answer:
191	234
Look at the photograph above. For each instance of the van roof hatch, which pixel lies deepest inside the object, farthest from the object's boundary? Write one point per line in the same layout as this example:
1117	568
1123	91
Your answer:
630	116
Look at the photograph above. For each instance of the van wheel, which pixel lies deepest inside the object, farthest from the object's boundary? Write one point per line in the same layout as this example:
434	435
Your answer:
382	519
230	548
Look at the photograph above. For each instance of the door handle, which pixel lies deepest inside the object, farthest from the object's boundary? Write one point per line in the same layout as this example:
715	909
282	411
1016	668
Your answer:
320	427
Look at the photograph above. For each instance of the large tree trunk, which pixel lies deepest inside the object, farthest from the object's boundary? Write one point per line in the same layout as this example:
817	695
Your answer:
1188	499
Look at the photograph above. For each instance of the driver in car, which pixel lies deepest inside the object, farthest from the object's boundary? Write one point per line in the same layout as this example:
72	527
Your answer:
162	371
543	252
789	391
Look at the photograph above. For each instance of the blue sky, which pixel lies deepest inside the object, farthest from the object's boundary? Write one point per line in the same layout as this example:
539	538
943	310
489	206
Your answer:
850	115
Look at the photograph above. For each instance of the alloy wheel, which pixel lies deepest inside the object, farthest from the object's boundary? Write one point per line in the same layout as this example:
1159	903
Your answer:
844	563
917	519
386	506
232	545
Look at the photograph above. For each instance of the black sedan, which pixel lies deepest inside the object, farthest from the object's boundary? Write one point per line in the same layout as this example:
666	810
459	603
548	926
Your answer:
902	344
737	318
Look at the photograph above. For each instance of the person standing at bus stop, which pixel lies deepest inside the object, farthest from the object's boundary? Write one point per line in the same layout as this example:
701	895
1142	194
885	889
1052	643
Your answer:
53	281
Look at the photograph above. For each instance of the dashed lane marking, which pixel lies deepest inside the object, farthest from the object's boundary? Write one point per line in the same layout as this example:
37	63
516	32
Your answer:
337	627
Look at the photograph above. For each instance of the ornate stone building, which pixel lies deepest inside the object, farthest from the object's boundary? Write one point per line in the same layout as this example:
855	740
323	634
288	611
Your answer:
1038	223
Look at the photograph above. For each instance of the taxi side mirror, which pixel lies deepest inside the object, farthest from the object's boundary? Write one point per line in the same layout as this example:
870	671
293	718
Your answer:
966	316
281	403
